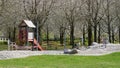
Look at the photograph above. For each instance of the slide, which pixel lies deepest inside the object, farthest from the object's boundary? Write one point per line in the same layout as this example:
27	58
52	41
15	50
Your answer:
39	47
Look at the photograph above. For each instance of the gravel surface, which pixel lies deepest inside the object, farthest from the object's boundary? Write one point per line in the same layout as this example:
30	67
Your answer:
95	50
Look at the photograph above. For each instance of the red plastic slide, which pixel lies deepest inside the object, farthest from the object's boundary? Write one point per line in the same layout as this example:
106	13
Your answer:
38	45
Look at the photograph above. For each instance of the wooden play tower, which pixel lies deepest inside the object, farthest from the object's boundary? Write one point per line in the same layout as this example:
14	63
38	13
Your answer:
26	34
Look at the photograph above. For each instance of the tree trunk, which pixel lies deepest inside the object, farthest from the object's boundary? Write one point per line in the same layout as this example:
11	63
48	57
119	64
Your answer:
113	39
119	34
108	20
84	35
47	36
40	36
61	36
89	24
89	35
95	33
35	30
9	34
72	35
99	32
14	33
109	32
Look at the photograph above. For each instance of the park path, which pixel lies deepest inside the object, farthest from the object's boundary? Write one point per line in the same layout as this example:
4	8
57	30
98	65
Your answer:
95	50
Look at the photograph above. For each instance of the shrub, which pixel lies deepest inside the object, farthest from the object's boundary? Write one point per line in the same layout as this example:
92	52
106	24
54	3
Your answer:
3	42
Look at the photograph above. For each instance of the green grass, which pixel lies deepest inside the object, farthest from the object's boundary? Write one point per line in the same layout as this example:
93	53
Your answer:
64	61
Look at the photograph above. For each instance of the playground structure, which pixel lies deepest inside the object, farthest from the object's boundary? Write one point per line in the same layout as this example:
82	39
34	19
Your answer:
26	37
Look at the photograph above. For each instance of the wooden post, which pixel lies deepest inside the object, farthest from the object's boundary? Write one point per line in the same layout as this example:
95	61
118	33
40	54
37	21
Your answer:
27	36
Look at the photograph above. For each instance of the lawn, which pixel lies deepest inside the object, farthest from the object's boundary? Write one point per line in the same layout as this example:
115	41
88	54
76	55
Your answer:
64	61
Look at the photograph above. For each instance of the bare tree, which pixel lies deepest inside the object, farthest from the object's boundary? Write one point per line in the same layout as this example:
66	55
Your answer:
96	15
38	11
117	9
60	24
71	10
10	16
109	16
89	22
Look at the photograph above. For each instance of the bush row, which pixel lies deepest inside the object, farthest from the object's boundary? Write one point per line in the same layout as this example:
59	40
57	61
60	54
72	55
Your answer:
3	42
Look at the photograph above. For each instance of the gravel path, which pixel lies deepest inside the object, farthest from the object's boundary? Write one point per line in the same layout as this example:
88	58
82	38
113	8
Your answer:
95	50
